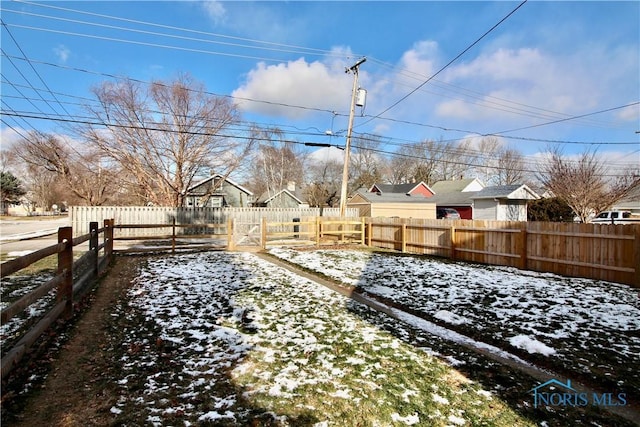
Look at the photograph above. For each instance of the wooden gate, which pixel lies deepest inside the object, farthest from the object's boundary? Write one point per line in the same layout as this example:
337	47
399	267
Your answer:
246	234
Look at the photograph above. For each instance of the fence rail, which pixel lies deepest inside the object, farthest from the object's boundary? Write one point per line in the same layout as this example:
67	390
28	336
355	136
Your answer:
71	282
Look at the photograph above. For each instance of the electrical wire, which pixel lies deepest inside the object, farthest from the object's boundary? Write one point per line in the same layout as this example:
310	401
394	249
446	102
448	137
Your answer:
32	67
170	27
446	129
220	135
173	36
448	63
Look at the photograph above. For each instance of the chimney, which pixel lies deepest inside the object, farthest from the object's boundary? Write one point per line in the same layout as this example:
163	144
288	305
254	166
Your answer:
291	186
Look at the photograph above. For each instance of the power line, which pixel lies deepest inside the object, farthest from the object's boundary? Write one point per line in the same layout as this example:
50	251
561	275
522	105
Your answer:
140	43
117	77
170	27
199	133
299	50
487	101
569	118
448	63
33	68
522	138
443	128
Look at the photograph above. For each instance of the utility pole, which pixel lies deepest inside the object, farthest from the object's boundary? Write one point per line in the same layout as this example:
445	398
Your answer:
347	148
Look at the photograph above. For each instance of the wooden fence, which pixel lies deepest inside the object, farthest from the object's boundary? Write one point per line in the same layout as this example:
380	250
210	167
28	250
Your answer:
135	215
231	235
595	251
71	282
313	230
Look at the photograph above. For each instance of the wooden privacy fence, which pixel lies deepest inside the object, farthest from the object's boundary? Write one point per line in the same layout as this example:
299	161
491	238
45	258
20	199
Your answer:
595	251
72	280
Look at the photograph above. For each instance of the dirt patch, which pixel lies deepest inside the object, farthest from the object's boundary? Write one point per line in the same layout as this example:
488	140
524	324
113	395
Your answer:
77	389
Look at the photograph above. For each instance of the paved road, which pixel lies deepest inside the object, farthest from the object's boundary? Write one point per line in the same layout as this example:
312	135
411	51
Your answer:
18	235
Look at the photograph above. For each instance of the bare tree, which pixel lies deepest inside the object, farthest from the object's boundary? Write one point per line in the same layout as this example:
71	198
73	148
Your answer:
80	172
366	166
276	163
324	182
497	164
165	134
510	168
583	183
431	161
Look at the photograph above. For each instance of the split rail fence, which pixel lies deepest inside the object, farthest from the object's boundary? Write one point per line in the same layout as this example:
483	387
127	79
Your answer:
72	280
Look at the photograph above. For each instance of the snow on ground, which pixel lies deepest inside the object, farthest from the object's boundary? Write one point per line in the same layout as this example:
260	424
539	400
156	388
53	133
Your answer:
212	331
578	323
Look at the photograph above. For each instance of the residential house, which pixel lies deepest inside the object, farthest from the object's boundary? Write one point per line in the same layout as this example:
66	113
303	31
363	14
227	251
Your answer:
503	202
400	205
473	200
630	203
218	191
456	194
413	189
288	197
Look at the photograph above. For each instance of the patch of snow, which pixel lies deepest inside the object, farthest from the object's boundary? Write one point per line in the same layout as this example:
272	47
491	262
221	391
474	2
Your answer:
456	420
408	420
449	317
531	345
439	399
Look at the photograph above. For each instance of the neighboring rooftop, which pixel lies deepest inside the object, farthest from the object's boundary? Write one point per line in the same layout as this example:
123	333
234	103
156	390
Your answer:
457	185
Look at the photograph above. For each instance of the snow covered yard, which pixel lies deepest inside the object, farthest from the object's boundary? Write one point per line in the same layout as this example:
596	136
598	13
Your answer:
215	338
582	328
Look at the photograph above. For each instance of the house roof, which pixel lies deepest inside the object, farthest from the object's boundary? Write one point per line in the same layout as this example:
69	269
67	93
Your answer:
218	176
456	198
454	185
391	197
291	194
515	192
398	188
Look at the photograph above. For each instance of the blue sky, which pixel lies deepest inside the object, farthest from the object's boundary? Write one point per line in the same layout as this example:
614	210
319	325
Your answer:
284	64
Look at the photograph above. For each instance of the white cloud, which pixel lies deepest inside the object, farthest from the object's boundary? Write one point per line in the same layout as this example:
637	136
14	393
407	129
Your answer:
420	58
295	83
9	136
216	11
327	154
62	52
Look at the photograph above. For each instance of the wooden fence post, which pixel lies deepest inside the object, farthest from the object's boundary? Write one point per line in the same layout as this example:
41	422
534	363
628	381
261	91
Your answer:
362	229
65	268
403	236
369	233
230	242
93	246
636	255
263	232
452	242
173	235
523	248
318	231
108	238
